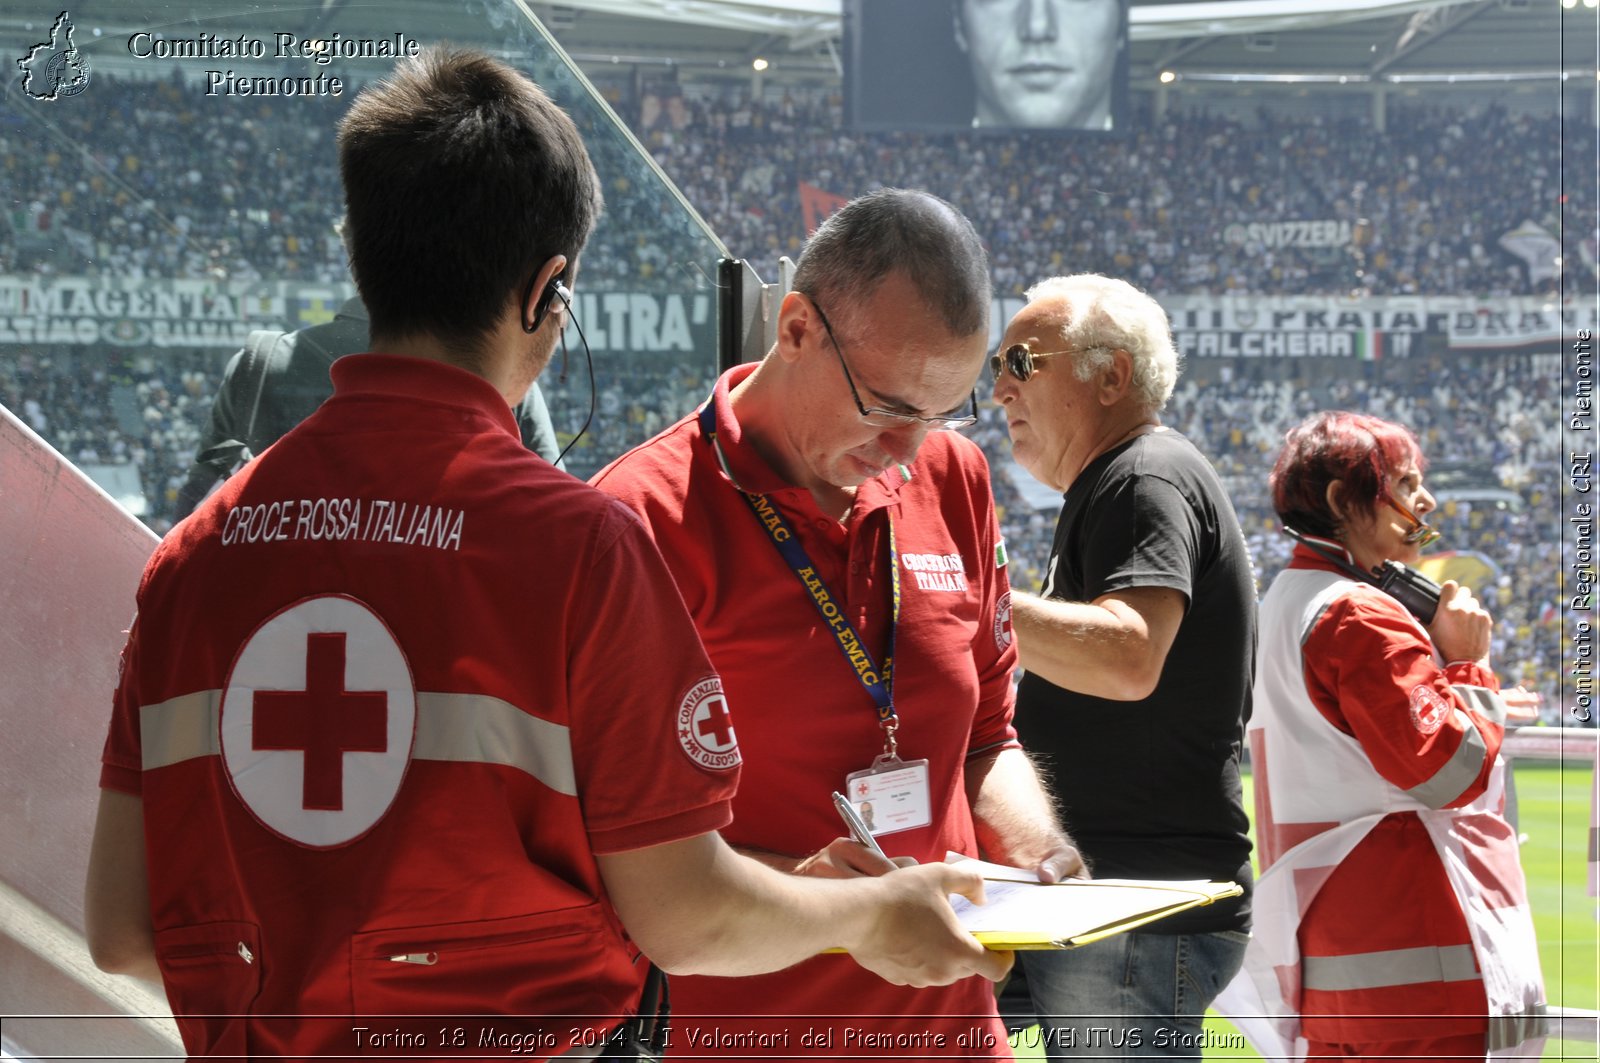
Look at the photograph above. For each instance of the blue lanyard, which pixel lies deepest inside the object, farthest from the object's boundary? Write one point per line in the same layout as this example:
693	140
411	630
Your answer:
879	683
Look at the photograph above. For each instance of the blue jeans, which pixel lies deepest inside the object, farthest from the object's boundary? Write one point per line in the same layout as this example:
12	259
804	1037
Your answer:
1130	995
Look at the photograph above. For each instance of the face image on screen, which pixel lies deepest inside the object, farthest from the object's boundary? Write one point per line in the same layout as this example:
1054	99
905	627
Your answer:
1050	65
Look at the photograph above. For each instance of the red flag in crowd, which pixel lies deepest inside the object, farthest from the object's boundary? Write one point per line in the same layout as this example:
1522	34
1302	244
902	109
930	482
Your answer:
816	205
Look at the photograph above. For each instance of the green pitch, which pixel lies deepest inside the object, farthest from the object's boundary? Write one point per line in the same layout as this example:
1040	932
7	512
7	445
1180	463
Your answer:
1553	811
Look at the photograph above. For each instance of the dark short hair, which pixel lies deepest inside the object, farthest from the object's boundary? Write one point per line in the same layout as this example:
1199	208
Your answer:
897	230
461	178
1360	450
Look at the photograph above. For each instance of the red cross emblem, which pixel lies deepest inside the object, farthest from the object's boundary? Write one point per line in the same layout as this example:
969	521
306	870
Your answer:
319	679
324	721
1429	710
716	724
705	727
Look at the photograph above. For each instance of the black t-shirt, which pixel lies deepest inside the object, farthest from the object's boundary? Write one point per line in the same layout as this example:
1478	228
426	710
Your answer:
1150	789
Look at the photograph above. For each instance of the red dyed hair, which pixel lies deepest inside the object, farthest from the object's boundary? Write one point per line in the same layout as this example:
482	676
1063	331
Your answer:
1360	450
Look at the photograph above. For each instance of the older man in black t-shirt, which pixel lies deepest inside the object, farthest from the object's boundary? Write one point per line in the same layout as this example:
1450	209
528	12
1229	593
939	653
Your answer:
1139	656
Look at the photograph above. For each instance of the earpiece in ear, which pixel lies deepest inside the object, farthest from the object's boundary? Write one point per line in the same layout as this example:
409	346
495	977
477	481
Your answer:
542	307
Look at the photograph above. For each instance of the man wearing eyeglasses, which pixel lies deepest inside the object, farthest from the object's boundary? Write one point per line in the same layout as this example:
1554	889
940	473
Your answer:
1139	657
838	551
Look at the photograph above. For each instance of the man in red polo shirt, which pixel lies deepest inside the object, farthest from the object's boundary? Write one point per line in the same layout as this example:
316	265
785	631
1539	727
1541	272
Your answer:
374	752
840	557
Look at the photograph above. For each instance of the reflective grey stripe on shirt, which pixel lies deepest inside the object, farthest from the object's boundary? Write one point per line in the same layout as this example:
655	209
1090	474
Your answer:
180	729
1457	773
1377	970
1483	701
1322	611
465	728
478	729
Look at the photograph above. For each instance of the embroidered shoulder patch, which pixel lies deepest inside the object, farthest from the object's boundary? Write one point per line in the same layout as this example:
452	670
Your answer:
1002	622
1428	709
705	727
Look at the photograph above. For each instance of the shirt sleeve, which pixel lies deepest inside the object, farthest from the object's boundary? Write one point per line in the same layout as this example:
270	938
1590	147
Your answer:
1145	534
121	762
1432	732
994	648
654	749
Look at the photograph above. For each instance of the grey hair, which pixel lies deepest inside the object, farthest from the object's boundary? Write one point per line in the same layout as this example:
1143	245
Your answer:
1106	315
897	230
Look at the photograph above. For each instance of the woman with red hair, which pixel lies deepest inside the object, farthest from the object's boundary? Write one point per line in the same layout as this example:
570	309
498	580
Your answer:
1392	919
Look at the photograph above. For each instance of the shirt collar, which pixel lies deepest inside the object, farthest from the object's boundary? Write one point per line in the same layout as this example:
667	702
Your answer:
743	465
1305	557
420	380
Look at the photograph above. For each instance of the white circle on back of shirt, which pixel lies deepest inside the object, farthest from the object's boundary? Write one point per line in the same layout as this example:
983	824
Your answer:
318	717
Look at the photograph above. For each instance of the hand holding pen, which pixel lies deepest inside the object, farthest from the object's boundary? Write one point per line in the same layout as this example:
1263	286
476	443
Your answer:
851	857
858	827
861	835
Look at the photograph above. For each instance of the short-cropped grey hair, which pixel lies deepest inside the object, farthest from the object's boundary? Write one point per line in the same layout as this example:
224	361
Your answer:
900	230
1105	315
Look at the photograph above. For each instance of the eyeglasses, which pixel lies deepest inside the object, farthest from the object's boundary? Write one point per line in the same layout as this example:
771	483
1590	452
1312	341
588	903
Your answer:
878	417
1422	533
1020	360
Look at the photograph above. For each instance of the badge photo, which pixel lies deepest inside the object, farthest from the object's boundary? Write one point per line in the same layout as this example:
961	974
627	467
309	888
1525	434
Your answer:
891	796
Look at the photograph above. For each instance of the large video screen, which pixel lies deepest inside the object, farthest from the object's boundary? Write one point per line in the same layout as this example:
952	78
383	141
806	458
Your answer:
1001	65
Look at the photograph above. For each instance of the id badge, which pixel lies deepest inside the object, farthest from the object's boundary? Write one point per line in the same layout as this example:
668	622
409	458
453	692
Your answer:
892	795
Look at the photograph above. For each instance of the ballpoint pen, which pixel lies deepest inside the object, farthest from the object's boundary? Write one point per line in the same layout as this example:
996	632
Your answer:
858	829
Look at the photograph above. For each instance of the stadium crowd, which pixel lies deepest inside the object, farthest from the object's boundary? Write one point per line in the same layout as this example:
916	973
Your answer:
1435	192
158	187
245	192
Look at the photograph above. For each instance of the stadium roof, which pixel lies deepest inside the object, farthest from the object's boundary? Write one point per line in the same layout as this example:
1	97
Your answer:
1355	39
1226	40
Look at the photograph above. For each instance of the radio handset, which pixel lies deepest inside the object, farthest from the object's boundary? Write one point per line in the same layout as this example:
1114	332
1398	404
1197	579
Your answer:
1418	593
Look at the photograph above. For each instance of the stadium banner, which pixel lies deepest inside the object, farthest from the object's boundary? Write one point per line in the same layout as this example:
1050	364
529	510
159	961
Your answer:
37	311
40	311
192	314
1209	326
1258	236
647	323
1370	328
